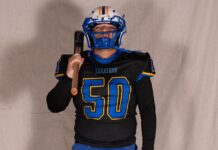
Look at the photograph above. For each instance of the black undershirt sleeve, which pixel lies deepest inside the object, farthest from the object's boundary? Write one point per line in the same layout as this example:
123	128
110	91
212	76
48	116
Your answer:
146	104
59	97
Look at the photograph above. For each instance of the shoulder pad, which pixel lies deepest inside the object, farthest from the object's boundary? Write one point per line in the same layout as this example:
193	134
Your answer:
140	55
61	66
147	64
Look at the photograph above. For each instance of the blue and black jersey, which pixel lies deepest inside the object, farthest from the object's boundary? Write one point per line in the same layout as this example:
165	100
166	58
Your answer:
109	91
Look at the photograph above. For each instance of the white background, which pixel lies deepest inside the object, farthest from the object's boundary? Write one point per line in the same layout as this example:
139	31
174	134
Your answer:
180	35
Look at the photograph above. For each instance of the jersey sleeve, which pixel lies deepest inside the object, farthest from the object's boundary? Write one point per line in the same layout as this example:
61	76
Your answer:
59	97
61	66
146	105
147	66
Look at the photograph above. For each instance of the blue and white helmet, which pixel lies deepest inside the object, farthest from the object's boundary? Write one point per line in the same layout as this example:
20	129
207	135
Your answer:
104	14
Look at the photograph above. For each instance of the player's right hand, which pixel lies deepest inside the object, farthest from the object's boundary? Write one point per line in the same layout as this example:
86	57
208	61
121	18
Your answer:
76	58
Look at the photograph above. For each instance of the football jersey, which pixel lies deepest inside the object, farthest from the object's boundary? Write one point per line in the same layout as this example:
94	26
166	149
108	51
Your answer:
106	101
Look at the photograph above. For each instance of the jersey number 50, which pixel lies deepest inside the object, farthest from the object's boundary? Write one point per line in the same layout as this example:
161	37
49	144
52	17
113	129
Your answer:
118	96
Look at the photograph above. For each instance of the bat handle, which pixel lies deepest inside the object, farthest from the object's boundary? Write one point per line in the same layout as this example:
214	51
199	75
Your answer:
74	87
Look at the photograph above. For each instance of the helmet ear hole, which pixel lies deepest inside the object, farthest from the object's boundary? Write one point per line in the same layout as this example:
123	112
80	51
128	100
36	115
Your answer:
117	40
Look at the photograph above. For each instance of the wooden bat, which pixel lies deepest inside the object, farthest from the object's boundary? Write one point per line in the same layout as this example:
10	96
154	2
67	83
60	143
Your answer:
78	47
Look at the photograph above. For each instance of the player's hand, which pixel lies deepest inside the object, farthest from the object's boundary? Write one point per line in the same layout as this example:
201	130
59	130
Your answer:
76	58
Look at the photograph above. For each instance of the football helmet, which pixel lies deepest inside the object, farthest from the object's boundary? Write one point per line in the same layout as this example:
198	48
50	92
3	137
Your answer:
106	15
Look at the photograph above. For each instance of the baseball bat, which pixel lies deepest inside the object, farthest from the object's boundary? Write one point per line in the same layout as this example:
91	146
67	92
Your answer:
78	48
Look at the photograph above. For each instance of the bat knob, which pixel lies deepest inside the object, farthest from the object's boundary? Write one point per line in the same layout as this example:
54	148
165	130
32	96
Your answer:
74	91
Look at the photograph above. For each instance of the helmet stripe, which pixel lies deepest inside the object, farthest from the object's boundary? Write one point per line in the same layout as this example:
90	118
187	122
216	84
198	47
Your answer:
103	10
99	11
107	11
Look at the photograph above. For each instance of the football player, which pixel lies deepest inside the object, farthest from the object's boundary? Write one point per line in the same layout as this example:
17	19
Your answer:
113	81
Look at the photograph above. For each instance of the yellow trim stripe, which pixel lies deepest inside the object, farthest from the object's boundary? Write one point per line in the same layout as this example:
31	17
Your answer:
99	11
59	75
107	10
148	73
